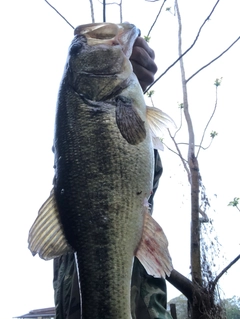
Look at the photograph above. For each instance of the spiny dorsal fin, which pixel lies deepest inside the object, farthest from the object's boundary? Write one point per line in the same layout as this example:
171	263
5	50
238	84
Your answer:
46	237
158	122
153	249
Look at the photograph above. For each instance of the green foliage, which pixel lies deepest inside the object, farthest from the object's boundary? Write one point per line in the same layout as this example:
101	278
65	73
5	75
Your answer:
213	134
180	105
147	38
232	307
218	82
235	202
181	306
150	93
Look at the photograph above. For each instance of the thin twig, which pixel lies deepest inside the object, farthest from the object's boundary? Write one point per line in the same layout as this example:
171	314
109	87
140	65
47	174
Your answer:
184	88
120	9
171	150
180	126
110	3
199	31
212	60
214	110
59	13
156	18
204	148
104	10
92	11
181	157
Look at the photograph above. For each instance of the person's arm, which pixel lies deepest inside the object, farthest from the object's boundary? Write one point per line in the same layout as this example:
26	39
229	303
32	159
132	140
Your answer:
142	60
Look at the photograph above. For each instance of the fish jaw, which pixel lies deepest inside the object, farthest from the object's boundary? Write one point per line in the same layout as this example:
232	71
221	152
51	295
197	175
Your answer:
98	61
123	34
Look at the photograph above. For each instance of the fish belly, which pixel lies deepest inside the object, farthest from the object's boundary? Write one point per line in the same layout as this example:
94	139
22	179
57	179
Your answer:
100	186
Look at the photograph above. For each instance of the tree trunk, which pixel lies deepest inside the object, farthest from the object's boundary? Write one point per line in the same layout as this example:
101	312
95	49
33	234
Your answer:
173	310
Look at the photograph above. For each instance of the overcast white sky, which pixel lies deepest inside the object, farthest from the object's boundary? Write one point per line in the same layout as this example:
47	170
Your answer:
34	48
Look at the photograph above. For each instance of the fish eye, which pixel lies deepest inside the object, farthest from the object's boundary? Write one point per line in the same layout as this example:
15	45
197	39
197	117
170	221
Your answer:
75	49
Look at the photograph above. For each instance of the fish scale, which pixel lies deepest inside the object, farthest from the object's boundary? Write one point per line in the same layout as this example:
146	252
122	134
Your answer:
110	182
113	179
103	174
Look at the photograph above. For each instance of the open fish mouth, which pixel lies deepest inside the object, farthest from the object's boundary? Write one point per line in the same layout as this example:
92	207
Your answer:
110	34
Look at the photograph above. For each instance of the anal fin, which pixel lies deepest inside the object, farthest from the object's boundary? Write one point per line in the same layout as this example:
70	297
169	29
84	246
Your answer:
153	249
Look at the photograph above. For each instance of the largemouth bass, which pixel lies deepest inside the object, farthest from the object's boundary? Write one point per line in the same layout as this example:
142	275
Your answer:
104	161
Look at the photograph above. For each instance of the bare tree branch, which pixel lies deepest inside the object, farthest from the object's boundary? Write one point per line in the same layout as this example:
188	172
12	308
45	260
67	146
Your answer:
156	17
104	10
171	150
59	13
214	110
204	218
212	60
223	272
181	157
104	3
196	145
182	283
193	170
180	126
109	3
199	31
92	11
120	4
184	87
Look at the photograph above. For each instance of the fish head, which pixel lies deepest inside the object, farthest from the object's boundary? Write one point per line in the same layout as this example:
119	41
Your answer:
98	59
123	35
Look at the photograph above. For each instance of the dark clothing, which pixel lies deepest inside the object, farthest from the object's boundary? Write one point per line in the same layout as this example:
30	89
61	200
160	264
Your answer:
148	294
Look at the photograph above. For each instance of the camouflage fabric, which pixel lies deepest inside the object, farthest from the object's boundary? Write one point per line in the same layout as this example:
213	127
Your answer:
148	294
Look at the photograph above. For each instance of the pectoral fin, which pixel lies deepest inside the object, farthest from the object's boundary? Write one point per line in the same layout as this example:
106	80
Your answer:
129	122
46	237
153	249
158	122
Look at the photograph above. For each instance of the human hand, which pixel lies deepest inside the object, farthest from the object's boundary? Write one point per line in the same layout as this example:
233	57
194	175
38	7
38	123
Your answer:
142	60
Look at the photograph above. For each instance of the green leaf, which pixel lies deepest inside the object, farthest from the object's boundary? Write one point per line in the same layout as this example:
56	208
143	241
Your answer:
181	105
235	202
213	134
218	82
150	93
147	38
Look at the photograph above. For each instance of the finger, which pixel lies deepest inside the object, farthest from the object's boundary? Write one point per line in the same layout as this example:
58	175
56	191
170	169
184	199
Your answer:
145	77
140	42
140	56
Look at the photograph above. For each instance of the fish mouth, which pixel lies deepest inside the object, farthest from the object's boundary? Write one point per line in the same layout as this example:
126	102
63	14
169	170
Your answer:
110	34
